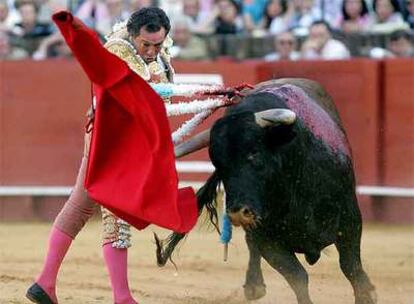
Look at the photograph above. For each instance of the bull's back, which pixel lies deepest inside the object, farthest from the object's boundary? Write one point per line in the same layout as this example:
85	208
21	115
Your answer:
311	88
312	104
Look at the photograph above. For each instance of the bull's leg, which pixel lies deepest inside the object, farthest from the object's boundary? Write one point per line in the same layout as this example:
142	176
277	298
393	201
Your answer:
254	287
348	245
288	265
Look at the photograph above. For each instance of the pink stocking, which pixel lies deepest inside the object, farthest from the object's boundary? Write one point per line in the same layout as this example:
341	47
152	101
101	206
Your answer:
117	264
59	244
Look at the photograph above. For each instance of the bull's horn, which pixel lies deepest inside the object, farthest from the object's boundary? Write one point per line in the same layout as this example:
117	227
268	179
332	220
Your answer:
275	117
193	144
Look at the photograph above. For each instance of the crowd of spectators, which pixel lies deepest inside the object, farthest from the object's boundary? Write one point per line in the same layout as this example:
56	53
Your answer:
302	29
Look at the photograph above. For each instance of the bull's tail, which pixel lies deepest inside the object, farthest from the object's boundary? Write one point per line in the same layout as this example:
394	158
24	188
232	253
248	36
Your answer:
166	247
206	197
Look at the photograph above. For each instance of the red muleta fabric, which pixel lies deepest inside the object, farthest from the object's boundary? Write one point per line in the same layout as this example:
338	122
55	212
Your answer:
131	169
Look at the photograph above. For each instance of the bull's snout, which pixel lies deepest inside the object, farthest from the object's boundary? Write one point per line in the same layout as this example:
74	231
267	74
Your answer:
243	216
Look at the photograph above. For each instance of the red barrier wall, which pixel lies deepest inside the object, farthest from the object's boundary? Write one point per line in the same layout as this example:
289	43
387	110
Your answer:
398	124
397	139
43	105
42	110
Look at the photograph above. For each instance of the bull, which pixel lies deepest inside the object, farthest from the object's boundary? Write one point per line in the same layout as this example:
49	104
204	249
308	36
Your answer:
286	166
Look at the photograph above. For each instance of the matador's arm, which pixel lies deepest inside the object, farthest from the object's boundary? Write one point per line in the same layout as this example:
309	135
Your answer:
102	67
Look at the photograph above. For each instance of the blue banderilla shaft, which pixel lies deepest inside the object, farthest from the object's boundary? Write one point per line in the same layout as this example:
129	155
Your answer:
226	232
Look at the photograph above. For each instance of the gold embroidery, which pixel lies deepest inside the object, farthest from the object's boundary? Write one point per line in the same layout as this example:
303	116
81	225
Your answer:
115	230
124	50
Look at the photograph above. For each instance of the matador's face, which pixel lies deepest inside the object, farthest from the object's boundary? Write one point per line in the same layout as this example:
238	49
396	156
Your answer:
148	45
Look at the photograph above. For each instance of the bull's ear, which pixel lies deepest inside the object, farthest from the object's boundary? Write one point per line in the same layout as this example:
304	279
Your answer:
275	117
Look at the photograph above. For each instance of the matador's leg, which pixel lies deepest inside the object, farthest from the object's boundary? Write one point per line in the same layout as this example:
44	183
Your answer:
116	240
73	216
79	207
115	231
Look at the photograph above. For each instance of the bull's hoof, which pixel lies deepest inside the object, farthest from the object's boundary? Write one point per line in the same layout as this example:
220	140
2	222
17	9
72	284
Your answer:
254	292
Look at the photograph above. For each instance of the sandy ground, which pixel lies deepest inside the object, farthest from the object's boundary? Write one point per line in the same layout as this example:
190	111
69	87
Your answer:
203	277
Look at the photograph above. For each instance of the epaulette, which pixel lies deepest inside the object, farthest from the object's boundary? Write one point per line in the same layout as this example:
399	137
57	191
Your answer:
126	51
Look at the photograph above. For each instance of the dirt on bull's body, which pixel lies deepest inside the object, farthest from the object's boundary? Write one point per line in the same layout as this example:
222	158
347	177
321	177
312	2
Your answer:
202	277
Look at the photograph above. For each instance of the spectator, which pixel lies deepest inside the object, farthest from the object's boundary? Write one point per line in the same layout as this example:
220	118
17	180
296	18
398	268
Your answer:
59	49
285	48
102	15
44	13
7	51
276	16
355	17
93	12
136	5
29	32
206	6
321	45
116	12
13	14
52	46
186	45
253	14
59	5
5	22
410	13
228	20
387	16
304	13
200	21
173	8
191	9
4	11
331	10
403	8
401	44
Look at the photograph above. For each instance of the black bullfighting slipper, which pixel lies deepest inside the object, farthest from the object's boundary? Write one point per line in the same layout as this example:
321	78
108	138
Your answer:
37	295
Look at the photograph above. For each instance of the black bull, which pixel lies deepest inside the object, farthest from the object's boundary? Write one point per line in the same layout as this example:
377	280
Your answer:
285	163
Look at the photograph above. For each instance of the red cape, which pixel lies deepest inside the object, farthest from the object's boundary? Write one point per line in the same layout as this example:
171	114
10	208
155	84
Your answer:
131	169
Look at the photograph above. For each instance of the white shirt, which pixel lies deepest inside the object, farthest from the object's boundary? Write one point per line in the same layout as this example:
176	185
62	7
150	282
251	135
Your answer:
276	56
332	50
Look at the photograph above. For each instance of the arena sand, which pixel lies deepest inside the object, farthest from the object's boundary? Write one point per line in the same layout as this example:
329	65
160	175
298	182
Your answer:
202	277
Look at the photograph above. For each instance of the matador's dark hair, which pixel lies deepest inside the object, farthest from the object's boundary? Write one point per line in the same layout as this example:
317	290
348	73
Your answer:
152	19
